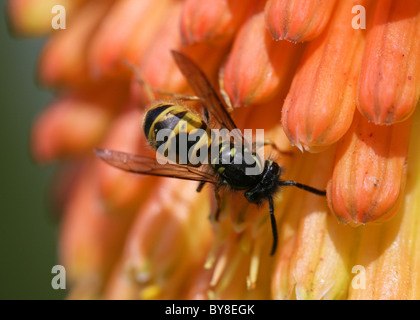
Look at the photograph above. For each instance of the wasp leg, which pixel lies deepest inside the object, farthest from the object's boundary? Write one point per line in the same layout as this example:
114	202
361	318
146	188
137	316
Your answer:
200	186
302	186
273	225
205	114
258	144
219	204
216	195
222	91
176	95
149	90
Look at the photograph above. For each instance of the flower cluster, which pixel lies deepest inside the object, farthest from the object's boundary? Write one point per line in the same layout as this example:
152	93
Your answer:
300	70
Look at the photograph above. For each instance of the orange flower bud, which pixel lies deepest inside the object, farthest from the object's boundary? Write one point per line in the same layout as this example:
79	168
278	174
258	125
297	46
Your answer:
112	34
297	20
158	67
319	107
65	177
386	256
228	279
257	66
127	236
63	59
168	241
90	238
369	172
34	17
315	251
146	32
120	190
74	123
322	254
211	20
115	33
383	270
283	283
389	86
199	289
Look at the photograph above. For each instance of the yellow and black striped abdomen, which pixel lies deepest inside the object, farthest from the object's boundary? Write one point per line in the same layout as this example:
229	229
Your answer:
176	122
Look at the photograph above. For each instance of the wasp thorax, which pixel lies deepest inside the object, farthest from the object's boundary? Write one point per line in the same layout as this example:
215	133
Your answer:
267	184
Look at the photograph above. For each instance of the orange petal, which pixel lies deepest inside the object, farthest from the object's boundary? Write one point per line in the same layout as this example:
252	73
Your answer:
389	86
90	239
319	107
166	244
388	253
34	17
315	251
74	123
146	33
322	255
369	172
297	20
64	180
158	66
122	191
382	268
257	65
115	33
282	284
63	59
206	21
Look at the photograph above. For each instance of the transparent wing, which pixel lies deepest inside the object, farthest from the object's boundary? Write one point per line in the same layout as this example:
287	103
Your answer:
149	166
203	89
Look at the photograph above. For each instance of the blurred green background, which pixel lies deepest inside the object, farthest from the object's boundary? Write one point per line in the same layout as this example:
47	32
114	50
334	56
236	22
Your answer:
28	231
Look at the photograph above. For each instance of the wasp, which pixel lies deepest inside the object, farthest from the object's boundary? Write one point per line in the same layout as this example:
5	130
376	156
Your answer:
224	168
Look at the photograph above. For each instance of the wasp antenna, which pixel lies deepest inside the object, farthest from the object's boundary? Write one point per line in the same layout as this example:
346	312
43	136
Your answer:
273	225
134	69
140	79
301	186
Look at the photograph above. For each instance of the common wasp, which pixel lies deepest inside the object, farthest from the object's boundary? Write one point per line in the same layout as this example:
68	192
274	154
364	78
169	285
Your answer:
228	167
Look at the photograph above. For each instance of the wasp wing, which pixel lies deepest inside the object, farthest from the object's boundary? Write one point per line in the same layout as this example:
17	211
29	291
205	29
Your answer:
149	166
203	89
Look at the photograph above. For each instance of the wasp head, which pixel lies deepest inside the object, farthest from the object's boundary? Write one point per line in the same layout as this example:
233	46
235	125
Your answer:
267	184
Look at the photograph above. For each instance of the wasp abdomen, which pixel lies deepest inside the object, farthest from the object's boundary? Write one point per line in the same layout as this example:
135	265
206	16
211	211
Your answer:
181	134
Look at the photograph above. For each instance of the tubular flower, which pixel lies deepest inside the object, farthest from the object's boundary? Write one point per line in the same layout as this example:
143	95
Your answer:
347	94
